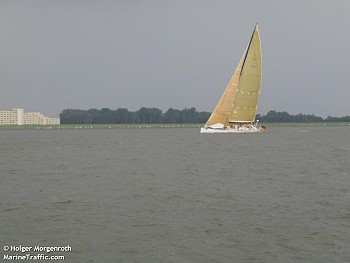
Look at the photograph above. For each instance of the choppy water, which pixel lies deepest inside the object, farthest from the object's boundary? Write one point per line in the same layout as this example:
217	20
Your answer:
174	195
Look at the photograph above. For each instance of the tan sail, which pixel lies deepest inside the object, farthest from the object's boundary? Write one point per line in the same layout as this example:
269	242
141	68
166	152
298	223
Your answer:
223	109
248	91
240	99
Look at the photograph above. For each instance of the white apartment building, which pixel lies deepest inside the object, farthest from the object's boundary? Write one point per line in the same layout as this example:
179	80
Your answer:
12	117
19	117
37	118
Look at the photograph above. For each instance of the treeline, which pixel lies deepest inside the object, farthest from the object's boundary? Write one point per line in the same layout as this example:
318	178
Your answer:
274	116
124	116
191	115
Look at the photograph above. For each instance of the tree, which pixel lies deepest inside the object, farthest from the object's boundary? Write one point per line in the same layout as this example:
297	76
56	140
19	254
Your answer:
95	116
150	115
188	115
172	116
72	116
191	115
123	116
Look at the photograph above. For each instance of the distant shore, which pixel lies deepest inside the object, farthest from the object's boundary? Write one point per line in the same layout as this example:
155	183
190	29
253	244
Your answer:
150	126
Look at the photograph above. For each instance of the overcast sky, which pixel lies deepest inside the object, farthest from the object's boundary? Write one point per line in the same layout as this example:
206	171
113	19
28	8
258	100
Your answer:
86	54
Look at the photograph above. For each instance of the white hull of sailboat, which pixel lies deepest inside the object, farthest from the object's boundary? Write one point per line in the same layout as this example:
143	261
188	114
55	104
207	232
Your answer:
250	129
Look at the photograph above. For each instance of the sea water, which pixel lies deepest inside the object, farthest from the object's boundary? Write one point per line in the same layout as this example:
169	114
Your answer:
174	195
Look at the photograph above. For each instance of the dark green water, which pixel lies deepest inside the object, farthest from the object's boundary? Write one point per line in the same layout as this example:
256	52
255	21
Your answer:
174	195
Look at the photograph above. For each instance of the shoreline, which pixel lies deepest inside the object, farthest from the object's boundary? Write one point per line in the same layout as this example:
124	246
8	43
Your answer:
155	126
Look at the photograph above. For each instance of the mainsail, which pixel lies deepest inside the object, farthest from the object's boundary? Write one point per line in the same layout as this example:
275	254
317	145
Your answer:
240	100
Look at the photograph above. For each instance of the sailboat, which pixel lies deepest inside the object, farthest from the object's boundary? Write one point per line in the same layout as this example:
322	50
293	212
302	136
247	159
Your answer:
236	110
